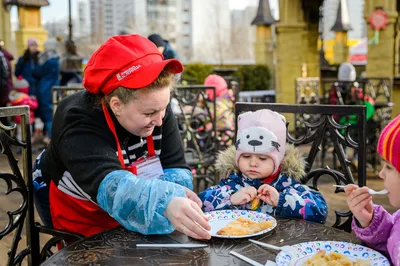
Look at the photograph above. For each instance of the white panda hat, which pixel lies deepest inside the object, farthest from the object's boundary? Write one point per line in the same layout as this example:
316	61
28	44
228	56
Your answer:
262	132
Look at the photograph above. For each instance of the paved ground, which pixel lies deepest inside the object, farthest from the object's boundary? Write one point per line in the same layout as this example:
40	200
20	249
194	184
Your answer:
335	202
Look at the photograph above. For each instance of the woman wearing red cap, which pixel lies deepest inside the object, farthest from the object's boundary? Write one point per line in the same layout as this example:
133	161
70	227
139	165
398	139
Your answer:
115	156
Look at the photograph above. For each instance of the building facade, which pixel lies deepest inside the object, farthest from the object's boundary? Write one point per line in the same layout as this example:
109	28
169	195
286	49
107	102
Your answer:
109	18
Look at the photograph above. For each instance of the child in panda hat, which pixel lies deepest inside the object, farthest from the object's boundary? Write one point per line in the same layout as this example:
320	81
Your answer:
263	173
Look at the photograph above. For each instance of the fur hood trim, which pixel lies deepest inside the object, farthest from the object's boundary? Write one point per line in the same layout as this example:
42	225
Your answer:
293	164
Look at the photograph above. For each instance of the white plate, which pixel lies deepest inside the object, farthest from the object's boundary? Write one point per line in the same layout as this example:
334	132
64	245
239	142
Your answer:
219	219
306	250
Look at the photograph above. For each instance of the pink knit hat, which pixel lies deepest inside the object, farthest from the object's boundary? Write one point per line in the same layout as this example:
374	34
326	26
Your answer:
389	143
221	88
32	41
262	132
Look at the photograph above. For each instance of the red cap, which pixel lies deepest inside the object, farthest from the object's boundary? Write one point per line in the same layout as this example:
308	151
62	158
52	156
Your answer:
131	61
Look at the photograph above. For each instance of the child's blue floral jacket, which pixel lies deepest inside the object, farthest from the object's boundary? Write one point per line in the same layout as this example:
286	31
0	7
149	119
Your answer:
296	200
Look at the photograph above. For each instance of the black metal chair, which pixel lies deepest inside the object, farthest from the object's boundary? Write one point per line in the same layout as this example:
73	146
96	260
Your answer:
19	180
340	92
60	92
262	96
307	92
233	85
341	136
380	90
348	93
197	125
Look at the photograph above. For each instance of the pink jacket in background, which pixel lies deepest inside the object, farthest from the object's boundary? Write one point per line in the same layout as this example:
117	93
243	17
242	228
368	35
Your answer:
20	98
383	234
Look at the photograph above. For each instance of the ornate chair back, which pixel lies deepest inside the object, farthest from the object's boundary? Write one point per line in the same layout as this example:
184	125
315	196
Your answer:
60	92
19	180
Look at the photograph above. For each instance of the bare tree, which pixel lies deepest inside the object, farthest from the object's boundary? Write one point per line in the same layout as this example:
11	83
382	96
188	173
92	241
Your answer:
215	43
219	38
243	34
241	47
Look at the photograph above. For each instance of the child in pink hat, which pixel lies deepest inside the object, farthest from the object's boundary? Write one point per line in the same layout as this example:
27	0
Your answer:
221	87
372	224
225	117
263	173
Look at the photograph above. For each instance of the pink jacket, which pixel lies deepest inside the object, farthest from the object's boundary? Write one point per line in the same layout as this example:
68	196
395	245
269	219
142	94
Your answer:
20	98
383	234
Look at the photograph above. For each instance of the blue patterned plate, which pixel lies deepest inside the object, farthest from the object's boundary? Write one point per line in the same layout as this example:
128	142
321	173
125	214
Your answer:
304	251
219	219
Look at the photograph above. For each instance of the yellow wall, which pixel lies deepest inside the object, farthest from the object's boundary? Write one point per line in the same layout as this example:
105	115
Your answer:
30	26
5	28
328	48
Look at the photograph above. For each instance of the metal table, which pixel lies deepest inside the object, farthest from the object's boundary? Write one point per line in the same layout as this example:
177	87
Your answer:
118	247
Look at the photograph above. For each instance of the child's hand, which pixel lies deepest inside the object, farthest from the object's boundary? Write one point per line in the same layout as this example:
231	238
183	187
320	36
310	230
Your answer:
360	204
268	194
243	196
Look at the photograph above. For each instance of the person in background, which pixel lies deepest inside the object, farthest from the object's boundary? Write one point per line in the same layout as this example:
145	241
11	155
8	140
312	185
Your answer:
27	64
163	46
372	224
47	73
347	72
224	106
20	96
349	92
71	65
8	57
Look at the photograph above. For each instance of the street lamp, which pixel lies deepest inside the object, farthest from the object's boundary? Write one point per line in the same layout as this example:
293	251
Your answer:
322	60
69	21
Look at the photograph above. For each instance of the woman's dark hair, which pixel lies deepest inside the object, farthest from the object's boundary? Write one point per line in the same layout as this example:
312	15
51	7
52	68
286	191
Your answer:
30	56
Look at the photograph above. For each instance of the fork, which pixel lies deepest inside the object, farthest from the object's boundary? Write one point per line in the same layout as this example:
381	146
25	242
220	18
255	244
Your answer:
250	261
287	249
370	191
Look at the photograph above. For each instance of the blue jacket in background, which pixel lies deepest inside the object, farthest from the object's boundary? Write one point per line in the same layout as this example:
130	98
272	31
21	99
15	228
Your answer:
26	69
169	53
48	76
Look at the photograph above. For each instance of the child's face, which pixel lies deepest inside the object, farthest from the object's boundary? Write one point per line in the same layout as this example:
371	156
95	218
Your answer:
256	166
391	178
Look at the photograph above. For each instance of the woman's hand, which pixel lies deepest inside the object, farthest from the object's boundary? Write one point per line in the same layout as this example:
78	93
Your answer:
243	196
268	194
187	217
193	196
360	204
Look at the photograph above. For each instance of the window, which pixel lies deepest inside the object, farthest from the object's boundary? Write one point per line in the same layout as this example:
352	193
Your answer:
186	41
186	5
186	29
186	17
